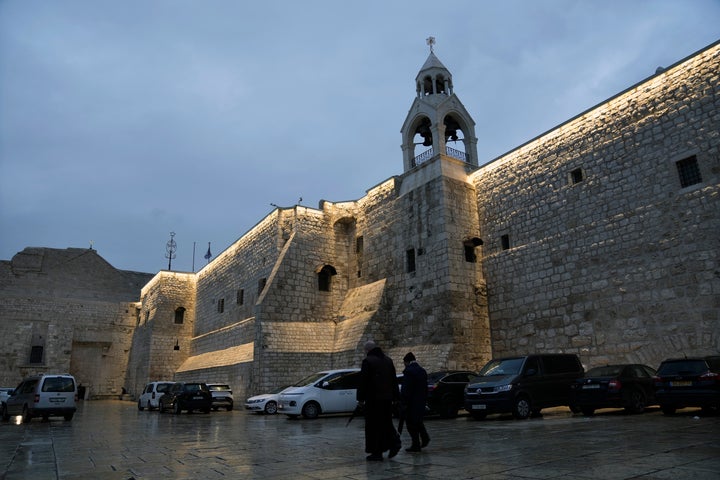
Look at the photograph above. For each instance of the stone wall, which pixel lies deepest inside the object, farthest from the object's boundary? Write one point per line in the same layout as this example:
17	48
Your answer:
75	309
609	257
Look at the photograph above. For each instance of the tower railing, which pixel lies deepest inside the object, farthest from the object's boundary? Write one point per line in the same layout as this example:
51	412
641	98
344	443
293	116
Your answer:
430	152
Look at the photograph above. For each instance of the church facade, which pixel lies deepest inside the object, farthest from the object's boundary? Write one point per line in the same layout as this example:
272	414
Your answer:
600	237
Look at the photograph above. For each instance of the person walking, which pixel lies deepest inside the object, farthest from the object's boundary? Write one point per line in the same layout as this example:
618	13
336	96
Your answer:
414	396
377	392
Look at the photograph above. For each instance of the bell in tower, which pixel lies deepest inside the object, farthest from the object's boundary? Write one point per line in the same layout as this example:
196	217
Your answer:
436	118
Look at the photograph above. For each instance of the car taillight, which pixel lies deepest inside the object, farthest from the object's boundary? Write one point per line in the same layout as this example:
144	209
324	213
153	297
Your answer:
614	385
658	381
431	387
37	398
711	376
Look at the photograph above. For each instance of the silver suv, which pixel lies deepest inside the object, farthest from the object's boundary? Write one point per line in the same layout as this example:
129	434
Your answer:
221	396
43	396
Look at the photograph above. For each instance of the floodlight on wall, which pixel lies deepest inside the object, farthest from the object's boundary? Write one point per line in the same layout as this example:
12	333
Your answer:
177	345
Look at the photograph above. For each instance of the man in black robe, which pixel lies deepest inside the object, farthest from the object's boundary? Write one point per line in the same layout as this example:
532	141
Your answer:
377	392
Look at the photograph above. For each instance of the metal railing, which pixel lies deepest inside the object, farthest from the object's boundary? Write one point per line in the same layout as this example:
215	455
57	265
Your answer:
430	152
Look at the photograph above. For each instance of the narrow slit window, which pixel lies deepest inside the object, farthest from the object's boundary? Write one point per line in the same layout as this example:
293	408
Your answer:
577	176
505	241
261	285
410	259
179	315
240	296
221	305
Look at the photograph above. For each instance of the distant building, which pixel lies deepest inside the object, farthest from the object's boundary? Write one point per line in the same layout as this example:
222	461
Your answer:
599	237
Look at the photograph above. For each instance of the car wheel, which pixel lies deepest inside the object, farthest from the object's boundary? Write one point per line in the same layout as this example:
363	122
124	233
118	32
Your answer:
588	411
478	415
448	408
207	410
5	415
521	407
229	408
668	410
271	408
311	410
26	417
140	407
68	417
636	402
149	406
176	408
215	409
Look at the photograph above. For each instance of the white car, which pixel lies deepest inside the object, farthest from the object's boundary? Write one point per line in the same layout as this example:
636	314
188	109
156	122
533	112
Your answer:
43	396
329	391
265	403
150	397
222	396
5	393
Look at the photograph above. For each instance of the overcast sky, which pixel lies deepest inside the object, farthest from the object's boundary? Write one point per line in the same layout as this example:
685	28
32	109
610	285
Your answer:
121	121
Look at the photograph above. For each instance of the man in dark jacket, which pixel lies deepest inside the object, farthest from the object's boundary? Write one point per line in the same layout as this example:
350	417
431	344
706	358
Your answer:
414	397
377	392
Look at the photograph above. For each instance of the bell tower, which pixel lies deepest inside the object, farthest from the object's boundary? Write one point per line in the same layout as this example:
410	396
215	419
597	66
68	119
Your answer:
437	122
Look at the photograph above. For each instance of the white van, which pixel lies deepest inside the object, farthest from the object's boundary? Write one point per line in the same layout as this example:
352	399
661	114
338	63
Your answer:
330	391
43	396
150	397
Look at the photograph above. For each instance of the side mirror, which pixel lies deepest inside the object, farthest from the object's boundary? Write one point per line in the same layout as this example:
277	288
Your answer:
531	372
325	385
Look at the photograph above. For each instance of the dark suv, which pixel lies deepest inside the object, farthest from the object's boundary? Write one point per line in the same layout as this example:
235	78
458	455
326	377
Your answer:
445	392
688	382
186	396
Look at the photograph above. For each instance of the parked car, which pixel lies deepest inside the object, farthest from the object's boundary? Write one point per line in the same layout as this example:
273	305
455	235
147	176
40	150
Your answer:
222	396
266	402
330	391
522	385
688	382
628	386
186	396
446	391
48	395
150	396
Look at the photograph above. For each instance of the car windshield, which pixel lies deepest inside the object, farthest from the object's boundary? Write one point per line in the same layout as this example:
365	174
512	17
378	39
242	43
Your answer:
310	379
508	366
193	387
58	384
436	377
607	371
279	389
219	388
683	367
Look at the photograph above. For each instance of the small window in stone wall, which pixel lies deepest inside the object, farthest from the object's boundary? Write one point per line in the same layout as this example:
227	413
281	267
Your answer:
179	315
221	305
505	241
689	171
576	176
261	285
240	296
469	248
410	260
36	354
359	245
325	277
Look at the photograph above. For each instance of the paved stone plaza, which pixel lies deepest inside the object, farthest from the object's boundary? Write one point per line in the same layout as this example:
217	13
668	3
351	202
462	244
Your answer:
113	440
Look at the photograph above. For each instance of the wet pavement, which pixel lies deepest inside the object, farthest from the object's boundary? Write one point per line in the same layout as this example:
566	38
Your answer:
113	440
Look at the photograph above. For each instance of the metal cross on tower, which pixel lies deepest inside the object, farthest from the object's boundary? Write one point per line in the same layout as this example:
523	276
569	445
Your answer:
430	41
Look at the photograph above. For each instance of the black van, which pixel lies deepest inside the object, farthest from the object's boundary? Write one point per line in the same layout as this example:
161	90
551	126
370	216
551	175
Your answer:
522	385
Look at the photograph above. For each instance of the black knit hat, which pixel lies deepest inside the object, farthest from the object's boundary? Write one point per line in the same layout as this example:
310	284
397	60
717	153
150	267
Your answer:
409	357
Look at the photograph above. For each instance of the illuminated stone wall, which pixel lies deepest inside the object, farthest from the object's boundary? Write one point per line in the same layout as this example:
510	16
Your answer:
75	306
609	257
